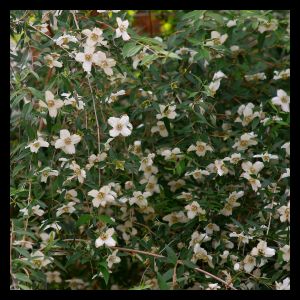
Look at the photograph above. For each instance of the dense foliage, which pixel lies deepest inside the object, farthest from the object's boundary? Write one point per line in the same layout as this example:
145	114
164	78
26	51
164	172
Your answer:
146	162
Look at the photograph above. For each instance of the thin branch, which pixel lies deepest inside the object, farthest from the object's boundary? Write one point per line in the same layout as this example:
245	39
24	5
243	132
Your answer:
13	278
133	251
97	124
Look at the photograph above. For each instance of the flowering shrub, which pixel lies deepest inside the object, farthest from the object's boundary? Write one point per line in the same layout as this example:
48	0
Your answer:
143	163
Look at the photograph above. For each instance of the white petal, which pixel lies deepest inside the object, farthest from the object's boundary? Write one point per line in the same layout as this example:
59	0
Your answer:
52	112
75	138
99	243
110	242
69	149
114	132
49	95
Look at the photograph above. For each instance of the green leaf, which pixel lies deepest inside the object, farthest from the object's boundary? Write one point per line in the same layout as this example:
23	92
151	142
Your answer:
23	277
105	219
161	282
23	252
189	264
148	58
105	273
180	167
131	49
172	257
24	287
83	219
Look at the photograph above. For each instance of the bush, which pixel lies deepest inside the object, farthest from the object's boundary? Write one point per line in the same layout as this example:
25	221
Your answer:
147	163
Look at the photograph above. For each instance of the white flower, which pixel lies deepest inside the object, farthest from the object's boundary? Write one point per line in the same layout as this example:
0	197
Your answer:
235	158
255	183
69	208
46	172
198	238
175	217
24	211
213	286
286	174
262	250
219	75
51	60
241	237
87	58
268	26
94	37
51	104
113	97
200	148
211	227
266	156
38	260
53	277
140	198
41	27
94	159
37	144
286	146
113	259
78	172
185	196
221	169
76	284
174	154
249	263
63	40
72	101
285	252
256	77
67	141
71	195
231	23
167	111
146	161
245	141
161	128
201	254
197	174
234	48
23	243
216	81
176	184
37	211
247	112
105	238
122	29
284	212
234	196
101	197
151	185
139	57
250	168
121	126
285	74
216	39
282	100
194	210
284	285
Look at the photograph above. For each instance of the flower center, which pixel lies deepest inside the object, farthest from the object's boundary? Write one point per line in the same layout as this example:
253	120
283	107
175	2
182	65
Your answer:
194	208
65	40
161	127
66	209
68	141
119	126
140	197
284	99
150	185
94	37
51	103
252	170
122	28
200	148
88	57
36	144
148	169
100	195
104	236
244	143
77	172
103	64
